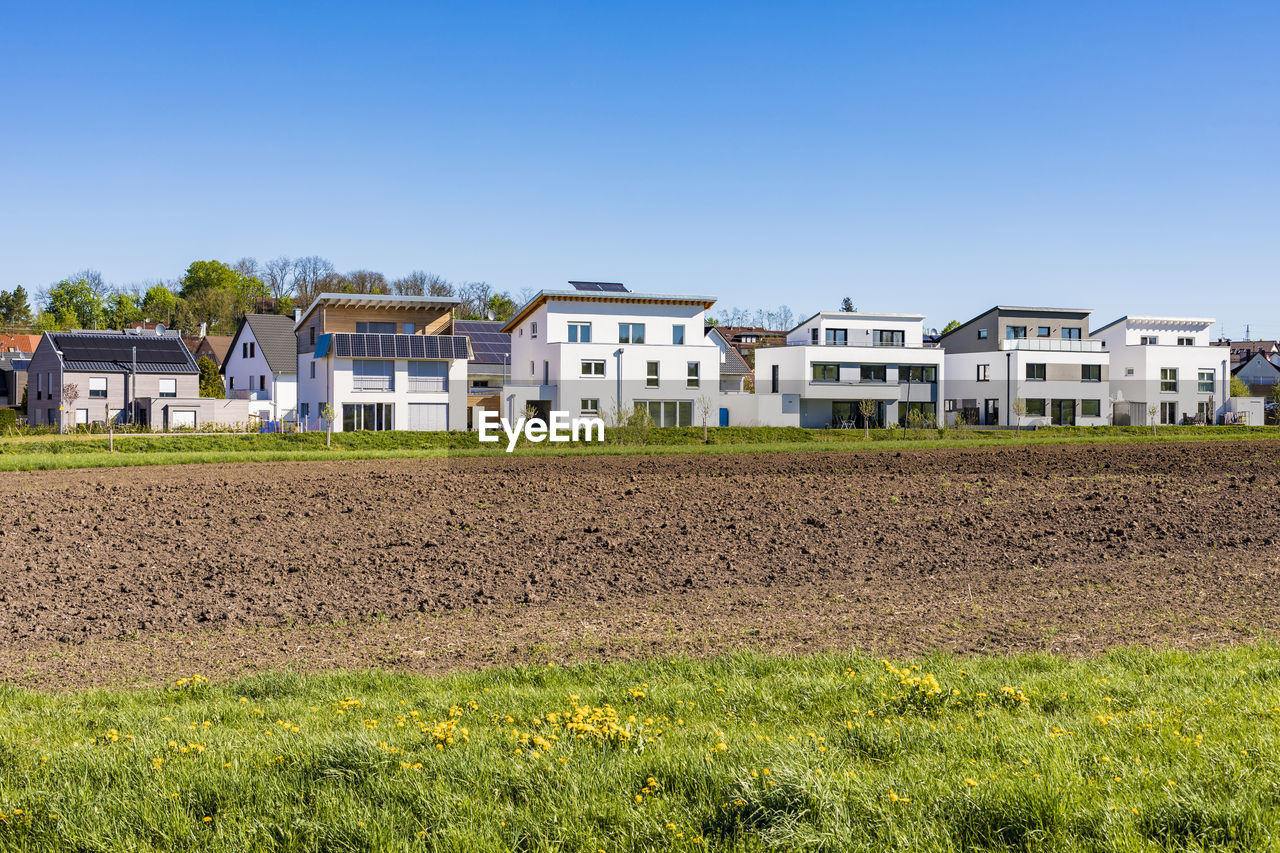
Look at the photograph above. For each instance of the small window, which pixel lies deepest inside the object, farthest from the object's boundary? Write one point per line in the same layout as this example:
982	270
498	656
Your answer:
1015	333
1071	333
872	373
592	368
982	334
311	334
313	369
1204	385
1042	332
677	335
826	373
1128	371
651	375
98	386
1035	372
1168	379
375	328
984	373
407	328
231	383
813	336
631	333
305	410
167	388
579	333
1091	408
262	383
589	405
1150	340
1186	342
773	379
1035	408
533	329
533	370
694	379
1091	373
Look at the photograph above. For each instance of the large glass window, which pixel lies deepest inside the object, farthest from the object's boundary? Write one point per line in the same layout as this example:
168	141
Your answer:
668	413
984	373
1071	333
1204	385
373	374
366	416
837	337
428	375
369	327
631	333
1090	408
923	414
1015	333
579	333
1042	332
872	373
1091	373
888	338
826	372
917	373
1168	379
1035	372
1035	407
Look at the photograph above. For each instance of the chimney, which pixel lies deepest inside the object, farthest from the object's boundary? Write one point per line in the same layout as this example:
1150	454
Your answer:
204	328
297	315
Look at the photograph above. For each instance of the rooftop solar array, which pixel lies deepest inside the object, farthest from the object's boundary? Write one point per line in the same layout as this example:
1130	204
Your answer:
489	344
600	286
119	348
351	345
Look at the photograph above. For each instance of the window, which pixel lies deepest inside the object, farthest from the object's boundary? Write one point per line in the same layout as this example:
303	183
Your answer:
1128	371
773	379
631	333
593	368
1169	413
984	373
1149	340
167	388
982	334
533	329
1015	333
579	333
677	335
375	328
826	373
1091	373
533	370
428	375
367	416
813	336
1090	408
888	338
1168	379
98	386
1071	333
667	413
1035	372
1186	342
246	349
262	383
1204	385
1035	408
231	383
305	410
1042	332
651	374
313	369
372	374
589	405
873	373
694	378
311	334
82	417
407	328
917	373
837	337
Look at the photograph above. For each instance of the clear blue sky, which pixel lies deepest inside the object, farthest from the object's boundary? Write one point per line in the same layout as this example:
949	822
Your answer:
919	157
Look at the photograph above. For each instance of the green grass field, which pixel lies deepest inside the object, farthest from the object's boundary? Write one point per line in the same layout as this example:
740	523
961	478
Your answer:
1131	751
91	451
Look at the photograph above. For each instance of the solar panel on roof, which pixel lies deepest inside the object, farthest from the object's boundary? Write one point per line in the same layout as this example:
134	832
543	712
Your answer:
120	348
357	345
600	286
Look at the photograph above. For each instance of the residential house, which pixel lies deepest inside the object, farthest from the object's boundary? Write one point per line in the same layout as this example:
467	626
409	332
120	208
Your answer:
849	369
262	366
746	339
147	378
1260	372
383	362
487	369
598	349
13	378
1242	351
213	347
19	345
1039	358
737	404
1166	368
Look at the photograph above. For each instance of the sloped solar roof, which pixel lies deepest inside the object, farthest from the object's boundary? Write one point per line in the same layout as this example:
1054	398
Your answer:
353	345
489	344
114	351
600	286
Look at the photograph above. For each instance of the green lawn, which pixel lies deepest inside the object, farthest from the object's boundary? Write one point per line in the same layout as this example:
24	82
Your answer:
86	451
1135	750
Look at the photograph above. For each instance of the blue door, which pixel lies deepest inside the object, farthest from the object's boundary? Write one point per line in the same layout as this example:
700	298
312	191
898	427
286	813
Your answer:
724	417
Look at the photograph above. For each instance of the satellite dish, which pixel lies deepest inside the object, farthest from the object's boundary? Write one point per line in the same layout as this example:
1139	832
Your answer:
159	328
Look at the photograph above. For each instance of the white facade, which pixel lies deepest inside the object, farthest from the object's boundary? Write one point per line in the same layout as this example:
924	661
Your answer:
607	354
1166	364
1259	371
1053	380
247	376
836	364
397	401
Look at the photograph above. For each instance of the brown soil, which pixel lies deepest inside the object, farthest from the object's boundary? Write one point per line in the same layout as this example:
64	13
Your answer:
133	575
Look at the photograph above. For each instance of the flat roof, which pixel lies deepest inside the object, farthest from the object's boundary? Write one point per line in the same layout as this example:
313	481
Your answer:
544	296
1158	321
373	300
1030	309
857	315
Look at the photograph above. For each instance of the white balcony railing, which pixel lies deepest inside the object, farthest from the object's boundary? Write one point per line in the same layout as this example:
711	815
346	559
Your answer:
372	383
1050	345
423	384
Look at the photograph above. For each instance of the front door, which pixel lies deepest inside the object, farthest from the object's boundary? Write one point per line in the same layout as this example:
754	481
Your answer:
1064	412
991	412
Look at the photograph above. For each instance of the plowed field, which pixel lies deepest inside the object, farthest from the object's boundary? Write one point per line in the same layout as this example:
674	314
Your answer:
128	575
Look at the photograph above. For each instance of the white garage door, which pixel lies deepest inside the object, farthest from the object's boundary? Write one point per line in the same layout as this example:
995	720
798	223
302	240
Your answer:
429	416
182	419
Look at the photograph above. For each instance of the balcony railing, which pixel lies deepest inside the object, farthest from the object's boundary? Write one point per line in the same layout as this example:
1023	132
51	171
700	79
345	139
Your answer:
1050	345
868	344
372	383
423	384
247	394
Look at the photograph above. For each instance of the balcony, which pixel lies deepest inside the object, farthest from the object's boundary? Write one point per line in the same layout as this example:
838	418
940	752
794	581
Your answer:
1050	345
249	394
861	344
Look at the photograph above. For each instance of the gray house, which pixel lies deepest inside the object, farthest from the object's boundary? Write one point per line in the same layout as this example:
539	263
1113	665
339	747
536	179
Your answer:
147	378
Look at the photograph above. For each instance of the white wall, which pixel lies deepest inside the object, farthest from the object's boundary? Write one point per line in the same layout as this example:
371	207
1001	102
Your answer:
333	383
274	399
1135	382
1008	382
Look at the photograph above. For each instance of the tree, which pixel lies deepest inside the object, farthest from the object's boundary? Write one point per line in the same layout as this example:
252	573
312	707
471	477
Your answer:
1238	388
951	327
846	305
706	405
122	311
1019	410
327	415
367	281
247	267
74	303
867	408
218	294
277	275
419	283
1151	415
501	307
209	275
210	381
159	303
475	299
14	308
70	393
309	274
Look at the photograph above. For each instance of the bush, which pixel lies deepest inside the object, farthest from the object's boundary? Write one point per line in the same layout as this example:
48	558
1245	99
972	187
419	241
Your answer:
8	419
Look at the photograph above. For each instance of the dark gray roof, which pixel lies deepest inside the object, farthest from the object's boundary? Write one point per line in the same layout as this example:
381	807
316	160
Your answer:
276	340
113	352
734	363
489	344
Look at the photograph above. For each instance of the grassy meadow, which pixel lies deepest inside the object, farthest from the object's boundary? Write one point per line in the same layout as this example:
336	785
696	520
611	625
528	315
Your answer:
1132	751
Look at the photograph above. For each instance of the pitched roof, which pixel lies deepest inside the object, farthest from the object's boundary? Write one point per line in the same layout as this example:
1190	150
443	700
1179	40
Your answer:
276	340
734	363
489	344
377	300
114	352
19	343
218	345
1257	355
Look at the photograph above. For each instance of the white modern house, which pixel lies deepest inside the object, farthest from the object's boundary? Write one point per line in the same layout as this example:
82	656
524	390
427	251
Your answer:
1165	364
850	369
600	349
262	366
382	362
1041	359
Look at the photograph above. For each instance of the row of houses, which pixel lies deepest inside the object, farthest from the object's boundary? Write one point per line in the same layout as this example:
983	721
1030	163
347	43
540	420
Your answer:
597	348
